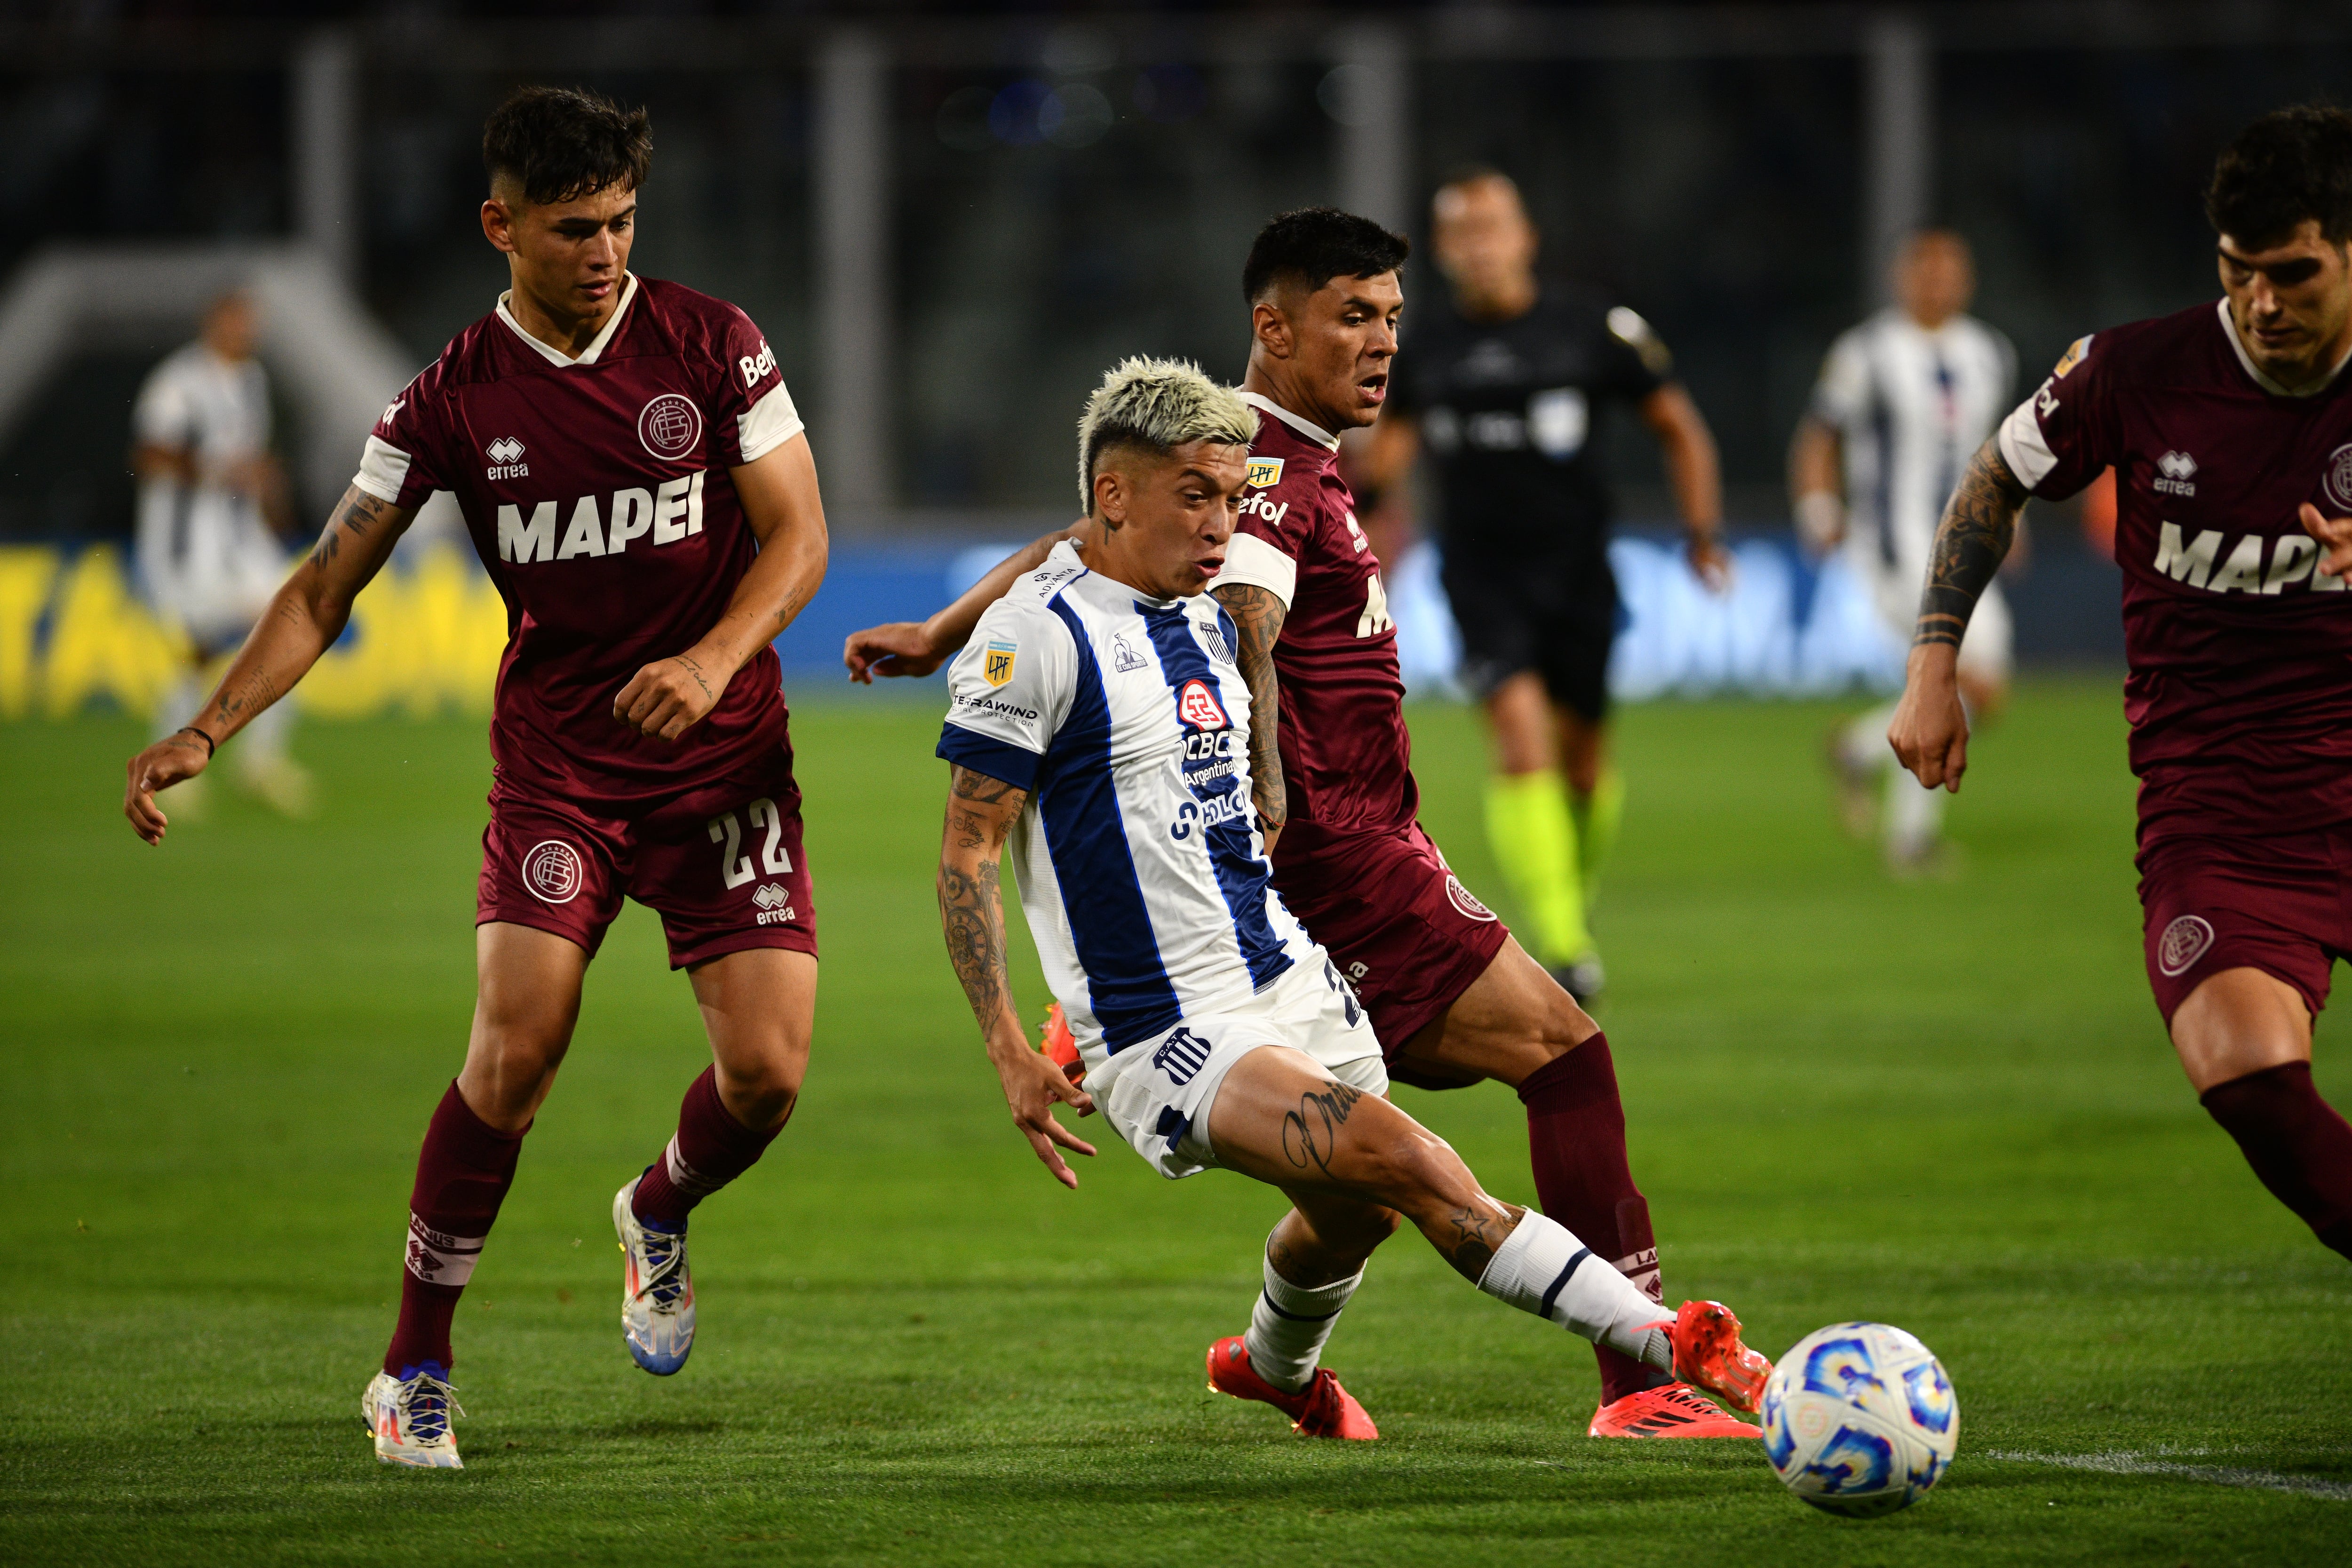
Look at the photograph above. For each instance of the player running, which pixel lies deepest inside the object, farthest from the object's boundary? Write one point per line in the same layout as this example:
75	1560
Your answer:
1506	387
637	485
1454	999
1901	401
1100	728
2230	429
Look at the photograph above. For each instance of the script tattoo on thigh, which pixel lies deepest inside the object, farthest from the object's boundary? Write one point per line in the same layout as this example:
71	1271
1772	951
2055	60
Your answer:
1311	1133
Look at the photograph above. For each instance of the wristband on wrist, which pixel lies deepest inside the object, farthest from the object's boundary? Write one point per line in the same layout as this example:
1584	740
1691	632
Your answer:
210	746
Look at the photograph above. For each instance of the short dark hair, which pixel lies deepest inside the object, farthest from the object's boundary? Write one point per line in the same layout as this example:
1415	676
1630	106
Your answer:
1314	245
2289	165
561	143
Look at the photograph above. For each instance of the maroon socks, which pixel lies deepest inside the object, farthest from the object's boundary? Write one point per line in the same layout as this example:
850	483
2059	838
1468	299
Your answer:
1576	1140
462	1175
711	1149
2296	1144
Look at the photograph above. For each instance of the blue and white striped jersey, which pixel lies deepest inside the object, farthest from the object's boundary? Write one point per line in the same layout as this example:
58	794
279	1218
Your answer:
1141	870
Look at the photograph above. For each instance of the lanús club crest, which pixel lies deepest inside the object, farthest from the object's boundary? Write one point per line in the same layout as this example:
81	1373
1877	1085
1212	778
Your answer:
670	425
2335	479
2184	942
552	872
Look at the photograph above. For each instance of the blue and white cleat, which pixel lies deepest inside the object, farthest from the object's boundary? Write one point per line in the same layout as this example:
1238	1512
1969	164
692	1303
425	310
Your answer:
409	1418
657	1291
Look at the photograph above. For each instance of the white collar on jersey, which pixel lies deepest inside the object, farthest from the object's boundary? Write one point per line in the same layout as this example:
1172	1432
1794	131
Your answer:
556	356
1311	431
2230	330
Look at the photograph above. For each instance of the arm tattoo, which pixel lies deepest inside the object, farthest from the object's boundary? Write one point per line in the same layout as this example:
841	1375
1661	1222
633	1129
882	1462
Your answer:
358	511
1258	616
972	913
972	899
1310	1134
1476	1235
1980	524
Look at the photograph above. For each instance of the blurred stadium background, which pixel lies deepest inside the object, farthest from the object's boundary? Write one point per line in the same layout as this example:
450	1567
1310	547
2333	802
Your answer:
948	223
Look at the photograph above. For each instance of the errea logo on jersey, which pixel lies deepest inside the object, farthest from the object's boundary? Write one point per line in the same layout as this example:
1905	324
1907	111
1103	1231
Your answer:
2173	472
755	367
505	455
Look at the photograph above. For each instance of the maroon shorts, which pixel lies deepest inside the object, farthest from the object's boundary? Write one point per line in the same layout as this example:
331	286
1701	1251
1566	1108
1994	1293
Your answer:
1396	920
721	863
2282	905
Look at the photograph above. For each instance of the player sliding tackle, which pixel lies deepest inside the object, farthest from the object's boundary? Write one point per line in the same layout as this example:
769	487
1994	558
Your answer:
1101	730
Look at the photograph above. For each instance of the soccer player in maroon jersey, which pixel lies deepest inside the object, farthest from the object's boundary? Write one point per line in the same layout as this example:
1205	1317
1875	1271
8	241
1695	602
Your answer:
2229	426
637	485
1453	996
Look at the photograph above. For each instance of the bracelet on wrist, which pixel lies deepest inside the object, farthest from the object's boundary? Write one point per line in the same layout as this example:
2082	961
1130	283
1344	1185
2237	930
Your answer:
211	746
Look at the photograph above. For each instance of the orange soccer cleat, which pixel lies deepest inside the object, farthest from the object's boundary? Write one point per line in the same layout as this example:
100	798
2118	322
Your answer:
1061	1048
1321	1409
1675	1410
1707	1352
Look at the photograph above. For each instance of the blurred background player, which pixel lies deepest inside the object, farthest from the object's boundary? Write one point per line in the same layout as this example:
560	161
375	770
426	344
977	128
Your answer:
1903	400
213	506
1504	389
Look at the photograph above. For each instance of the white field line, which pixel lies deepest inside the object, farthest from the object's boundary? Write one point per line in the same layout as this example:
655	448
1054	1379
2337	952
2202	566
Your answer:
2125	1462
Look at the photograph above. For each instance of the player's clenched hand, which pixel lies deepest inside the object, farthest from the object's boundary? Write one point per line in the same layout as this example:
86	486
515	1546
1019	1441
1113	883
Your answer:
170	761
1033	1085
2334	536
1930	732
668	697
897	648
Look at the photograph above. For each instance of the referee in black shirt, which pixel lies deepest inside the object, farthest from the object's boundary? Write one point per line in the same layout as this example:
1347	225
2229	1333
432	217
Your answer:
1504	390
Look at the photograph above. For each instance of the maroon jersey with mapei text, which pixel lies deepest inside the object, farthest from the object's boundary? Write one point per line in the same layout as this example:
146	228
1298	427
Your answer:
2239	690
597	493
1347	759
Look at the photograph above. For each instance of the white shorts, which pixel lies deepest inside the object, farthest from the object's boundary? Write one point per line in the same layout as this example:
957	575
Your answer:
1159	1092
1987	652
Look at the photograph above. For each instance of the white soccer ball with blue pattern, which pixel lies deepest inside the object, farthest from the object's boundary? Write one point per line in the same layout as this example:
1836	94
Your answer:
1859	1419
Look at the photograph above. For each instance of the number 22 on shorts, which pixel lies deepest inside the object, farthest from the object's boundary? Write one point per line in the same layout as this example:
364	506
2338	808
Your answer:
733	864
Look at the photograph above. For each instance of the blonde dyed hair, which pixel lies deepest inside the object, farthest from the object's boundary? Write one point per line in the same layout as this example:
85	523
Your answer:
1157	404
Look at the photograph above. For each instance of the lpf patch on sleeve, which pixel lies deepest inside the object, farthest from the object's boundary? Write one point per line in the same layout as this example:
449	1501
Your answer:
1265	471
996	665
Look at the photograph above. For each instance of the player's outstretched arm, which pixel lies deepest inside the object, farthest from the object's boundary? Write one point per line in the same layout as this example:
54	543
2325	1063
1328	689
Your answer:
1930	732
786	515
919	648
1258	616
304	618
1695	475
981	813
1816	489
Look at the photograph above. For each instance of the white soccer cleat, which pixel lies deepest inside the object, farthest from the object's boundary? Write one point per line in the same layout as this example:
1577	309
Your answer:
411	1419
657	1291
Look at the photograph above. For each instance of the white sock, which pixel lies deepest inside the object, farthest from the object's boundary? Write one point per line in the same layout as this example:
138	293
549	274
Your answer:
1864	742
1542	1268
262	742
1915	815
1289	1325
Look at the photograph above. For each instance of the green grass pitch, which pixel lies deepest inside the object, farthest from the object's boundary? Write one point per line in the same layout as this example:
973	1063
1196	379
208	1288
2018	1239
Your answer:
1950	1106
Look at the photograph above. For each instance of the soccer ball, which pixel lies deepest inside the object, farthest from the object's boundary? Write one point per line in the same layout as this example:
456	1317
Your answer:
1859	1419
